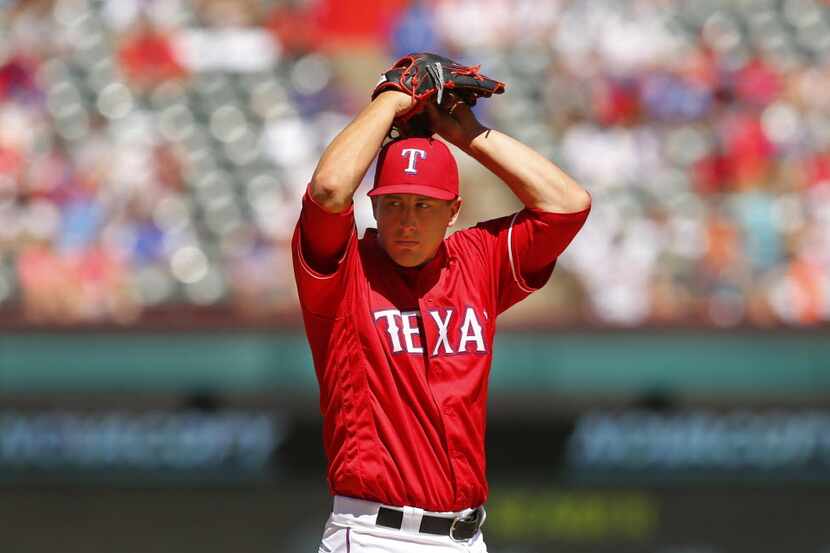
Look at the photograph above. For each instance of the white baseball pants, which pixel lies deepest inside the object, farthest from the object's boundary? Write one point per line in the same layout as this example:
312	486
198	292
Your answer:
351	529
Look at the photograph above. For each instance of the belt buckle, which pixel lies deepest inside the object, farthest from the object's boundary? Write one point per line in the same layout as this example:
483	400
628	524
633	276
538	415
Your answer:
472	519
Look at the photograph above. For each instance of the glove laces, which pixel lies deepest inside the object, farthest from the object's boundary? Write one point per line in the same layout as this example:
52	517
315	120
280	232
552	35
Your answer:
472	71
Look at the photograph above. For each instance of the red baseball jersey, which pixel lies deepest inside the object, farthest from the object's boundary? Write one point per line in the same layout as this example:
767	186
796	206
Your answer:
402	356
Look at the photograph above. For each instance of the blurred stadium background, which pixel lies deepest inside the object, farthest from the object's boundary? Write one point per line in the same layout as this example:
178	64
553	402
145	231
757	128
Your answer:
667	392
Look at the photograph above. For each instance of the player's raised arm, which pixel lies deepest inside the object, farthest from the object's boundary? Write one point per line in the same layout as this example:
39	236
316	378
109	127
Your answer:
346	160
537	181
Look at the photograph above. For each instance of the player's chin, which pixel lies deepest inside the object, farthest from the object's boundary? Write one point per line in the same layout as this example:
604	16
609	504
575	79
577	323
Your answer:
406	256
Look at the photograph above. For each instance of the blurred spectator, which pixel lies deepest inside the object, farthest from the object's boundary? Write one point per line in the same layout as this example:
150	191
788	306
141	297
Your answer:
103	292
45	281
260	284
414	31
229	13
17	78
340	24
147	56
617	101
292	24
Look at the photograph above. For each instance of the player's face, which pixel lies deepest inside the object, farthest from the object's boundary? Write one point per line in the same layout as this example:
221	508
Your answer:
412	227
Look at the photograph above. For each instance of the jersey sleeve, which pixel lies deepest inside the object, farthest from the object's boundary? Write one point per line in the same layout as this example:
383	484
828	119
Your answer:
321	246
523	249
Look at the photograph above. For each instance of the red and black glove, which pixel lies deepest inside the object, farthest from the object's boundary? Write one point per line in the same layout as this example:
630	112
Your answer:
425	77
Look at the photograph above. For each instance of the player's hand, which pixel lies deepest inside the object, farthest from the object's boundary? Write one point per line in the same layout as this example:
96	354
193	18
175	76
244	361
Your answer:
454	121
401	101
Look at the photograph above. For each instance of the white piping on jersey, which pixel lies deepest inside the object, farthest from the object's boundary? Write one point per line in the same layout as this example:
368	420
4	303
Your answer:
311	271
510	256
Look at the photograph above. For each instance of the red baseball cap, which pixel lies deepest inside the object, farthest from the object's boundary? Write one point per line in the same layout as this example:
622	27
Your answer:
423	166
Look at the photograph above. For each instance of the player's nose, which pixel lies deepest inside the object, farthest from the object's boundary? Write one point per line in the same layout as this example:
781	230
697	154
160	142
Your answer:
408	218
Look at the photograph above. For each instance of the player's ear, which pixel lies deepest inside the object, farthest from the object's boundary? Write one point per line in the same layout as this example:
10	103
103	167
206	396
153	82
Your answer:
374	207
455	208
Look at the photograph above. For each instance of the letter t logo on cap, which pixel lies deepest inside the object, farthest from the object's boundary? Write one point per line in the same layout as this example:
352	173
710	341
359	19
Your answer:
413	154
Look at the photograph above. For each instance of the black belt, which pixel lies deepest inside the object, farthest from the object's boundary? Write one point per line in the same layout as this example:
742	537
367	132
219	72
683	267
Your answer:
459	529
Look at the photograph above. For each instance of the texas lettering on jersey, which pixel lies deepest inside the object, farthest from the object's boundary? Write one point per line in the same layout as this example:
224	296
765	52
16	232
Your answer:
456	331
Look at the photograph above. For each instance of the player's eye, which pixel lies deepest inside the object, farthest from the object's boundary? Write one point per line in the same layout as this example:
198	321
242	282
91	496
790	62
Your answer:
423	205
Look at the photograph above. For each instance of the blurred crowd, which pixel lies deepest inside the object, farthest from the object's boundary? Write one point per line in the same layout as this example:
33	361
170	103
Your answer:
153	152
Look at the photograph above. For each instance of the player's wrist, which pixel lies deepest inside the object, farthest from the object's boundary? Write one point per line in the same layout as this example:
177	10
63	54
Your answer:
397	100
465	126
470	137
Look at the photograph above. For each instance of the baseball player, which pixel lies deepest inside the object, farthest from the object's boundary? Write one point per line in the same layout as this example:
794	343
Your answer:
401	321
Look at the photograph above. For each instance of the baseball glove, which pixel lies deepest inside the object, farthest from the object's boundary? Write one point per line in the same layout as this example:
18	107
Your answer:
425	76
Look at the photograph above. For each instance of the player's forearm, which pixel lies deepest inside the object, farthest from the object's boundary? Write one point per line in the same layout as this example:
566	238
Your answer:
345	161
537	181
